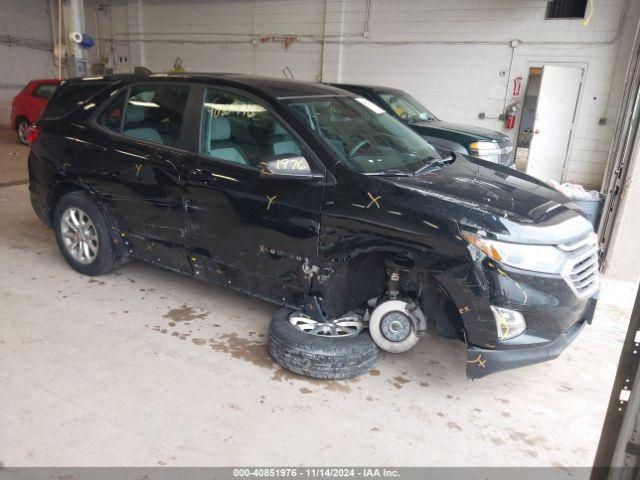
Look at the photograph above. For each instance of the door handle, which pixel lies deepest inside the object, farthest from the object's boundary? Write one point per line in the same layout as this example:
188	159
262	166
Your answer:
202	176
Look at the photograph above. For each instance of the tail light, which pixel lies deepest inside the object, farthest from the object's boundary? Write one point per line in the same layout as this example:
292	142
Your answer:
33	133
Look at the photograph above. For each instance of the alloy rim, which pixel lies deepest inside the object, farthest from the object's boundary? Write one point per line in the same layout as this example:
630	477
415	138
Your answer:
79	235
22	131
348	326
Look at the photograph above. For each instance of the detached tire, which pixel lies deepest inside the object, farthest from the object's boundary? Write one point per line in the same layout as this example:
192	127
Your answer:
323	357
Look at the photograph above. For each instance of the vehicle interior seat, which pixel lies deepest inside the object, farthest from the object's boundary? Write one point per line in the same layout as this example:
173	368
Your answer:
220	143
134	117
282	142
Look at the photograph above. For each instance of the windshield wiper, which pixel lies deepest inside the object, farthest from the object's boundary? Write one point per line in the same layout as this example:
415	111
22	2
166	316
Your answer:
432	161
389	172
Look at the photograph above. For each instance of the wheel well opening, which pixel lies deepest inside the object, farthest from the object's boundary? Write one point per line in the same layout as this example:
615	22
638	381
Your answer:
60	191
440	309
19	118
365	276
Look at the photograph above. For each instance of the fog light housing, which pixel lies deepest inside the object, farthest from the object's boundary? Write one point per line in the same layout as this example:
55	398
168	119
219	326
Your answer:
509	323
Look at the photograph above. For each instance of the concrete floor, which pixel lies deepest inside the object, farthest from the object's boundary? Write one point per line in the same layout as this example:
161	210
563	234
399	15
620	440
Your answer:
145	367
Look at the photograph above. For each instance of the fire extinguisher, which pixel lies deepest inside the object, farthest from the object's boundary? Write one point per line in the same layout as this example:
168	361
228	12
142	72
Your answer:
510	116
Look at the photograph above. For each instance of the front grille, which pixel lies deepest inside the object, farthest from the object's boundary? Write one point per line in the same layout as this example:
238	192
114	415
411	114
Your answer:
581	271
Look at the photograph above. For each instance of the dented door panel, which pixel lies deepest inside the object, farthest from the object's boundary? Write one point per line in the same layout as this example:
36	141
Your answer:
251	231
141	184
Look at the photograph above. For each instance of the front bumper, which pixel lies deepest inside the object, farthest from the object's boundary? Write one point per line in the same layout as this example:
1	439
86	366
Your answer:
484	361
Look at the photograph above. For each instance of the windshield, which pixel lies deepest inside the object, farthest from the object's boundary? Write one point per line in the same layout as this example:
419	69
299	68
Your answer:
407	107
365	137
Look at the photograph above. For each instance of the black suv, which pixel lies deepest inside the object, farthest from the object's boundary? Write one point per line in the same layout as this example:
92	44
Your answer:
320	201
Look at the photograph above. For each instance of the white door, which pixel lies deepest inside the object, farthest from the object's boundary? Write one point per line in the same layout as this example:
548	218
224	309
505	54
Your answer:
555	115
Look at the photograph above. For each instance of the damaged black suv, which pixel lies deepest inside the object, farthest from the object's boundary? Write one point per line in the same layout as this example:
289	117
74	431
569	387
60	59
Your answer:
318	200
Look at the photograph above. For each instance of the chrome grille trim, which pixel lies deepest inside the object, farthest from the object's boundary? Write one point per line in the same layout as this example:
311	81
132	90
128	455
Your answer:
581	270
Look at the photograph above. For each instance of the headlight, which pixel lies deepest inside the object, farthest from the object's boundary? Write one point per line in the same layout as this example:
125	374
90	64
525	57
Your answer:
488	150
481	148
537	258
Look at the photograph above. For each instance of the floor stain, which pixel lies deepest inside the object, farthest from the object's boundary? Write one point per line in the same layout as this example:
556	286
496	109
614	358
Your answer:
497	441
399	381
453	426
242	349
198	341
184	313
305	390
93	280
282	375
374	373
529	440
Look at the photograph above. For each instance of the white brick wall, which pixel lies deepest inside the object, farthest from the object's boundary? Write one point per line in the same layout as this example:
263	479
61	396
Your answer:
26	19
454	56
457	81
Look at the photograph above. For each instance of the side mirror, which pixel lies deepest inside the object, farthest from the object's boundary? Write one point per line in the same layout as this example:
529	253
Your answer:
287	166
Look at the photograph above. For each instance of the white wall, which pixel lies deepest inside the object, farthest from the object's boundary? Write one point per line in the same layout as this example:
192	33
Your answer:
454	56
459	81
29	20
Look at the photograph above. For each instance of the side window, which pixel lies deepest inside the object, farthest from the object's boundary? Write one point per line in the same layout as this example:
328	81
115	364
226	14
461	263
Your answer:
45	90
154	113
111	118
239	130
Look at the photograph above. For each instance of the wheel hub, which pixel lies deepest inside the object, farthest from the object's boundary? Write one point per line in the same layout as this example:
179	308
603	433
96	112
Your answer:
395	326
347	326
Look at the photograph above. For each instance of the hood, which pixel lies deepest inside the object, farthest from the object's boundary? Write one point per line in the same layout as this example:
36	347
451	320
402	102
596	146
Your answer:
472	133
504	203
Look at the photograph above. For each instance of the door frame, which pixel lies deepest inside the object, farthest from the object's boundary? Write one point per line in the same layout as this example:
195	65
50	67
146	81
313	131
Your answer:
530	63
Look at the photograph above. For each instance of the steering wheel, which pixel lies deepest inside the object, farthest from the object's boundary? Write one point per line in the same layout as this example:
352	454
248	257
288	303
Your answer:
360	144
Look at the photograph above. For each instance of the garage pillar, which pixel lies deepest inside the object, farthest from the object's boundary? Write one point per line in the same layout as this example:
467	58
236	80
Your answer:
74	23
623	261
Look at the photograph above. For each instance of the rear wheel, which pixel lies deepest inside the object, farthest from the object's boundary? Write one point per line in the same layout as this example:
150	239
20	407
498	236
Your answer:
83	236
22	125
335	350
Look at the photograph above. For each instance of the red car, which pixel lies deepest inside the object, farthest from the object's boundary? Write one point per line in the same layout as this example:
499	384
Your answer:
29	103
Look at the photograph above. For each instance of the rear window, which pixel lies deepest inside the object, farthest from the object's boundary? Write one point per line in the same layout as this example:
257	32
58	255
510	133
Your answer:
67	97
45	90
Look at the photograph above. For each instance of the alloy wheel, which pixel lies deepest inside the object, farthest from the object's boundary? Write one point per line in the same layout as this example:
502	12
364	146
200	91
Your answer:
347	326
79	235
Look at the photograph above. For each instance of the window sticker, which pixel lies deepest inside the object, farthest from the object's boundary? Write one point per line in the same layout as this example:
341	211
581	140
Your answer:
370	105
223	109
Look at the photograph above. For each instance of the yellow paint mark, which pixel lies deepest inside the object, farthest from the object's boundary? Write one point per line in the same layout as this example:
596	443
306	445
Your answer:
193	259
139	168
464	309
271	200
504	327
374	200
479	361
122	235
